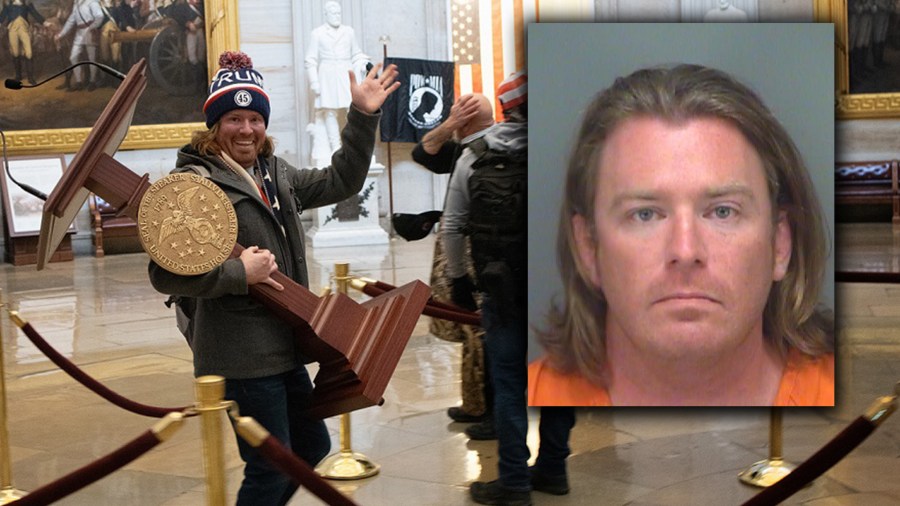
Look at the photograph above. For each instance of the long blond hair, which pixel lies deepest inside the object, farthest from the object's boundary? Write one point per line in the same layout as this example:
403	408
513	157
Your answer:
204	141
574	337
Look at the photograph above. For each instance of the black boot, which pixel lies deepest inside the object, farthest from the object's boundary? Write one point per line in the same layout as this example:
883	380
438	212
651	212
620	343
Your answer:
484	431
17	62
29	70
549	484
66	82
492	492
459	415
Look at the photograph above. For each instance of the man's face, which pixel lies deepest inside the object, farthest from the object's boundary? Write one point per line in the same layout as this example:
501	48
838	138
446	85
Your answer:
333	15
241	134
685	249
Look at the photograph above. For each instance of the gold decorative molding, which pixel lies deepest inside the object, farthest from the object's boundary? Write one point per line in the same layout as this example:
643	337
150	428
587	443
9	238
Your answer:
68	140
848	105
870	105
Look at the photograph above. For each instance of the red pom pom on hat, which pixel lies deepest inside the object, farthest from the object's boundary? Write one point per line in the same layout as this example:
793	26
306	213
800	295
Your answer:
235	60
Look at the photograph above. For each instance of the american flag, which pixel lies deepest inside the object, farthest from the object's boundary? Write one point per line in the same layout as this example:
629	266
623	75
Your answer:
488	43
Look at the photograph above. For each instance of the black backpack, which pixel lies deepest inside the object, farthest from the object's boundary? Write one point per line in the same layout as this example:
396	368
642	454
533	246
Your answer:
184	315
497	226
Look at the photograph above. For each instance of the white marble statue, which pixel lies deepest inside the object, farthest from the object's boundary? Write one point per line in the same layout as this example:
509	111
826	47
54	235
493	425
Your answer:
321	151
333	50
725	12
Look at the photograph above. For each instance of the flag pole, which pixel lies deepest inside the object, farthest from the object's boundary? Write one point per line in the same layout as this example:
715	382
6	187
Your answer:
384	39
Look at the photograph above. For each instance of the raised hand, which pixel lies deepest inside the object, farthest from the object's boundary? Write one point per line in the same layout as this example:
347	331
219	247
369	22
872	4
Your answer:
462	112
370	94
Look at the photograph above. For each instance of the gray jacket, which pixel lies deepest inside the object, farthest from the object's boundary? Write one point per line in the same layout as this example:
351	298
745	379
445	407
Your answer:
507	137
234	335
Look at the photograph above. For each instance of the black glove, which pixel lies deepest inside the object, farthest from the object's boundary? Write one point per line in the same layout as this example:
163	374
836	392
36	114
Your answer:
461	293
497	281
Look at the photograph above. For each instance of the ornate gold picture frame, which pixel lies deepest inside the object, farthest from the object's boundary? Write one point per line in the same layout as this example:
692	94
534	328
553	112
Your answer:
850	105
222	33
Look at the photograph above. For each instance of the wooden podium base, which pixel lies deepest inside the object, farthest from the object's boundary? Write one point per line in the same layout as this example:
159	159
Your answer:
23	250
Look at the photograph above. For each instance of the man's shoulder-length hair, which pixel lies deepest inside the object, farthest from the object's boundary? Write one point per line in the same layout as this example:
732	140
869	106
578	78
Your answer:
574	337
204	141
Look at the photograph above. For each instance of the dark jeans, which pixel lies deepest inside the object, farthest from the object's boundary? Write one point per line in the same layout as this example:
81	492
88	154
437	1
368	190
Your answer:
277	403
486	379
506	343
556	424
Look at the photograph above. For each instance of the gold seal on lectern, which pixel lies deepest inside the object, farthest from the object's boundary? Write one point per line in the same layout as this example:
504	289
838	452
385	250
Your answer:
187	224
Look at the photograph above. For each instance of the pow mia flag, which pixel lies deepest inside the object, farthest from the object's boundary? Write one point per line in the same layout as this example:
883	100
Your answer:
421	103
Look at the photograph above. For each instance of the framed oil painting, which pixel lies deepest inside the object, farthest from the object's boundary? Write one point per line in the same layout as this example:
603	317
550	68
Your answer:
867	56
180	39
23	210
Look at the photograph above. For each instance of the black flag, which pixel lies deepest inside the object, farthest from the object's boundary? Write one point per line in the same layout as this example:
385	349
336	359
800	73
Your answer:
421	103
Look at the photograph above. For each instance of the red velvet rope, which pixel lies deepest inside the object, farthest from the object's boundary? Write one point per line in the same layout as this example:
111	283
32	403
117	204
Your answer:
92	384
432	307
100	468
431	300
815	466
288	463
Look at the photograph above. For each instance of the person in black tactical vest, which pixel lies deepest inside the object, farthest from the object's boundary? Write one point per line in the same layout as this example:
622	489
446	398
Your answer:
470	117
487	202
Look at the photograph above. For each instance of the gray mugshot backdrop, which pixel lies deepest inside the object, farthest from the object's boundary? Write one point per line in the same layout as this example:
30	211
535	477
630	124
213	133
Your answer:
790	65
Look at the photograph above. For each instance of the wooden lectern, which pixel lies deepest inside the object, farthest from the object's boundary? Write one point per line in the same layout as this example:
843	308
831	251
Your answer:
357	346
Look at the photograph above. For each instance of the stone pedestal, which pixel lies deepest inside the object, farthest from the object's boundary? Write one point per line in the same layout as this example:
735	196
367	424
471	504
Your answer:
353	222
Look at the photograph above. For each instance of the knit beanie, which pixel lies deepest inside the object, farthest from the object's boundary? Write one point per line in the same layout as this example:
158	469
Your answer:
513	91
235	86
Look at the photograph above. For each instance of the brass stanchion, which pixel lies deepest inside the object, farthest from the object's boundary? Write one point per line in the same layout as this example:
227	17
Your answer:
346	464
766	472
210	392
8	493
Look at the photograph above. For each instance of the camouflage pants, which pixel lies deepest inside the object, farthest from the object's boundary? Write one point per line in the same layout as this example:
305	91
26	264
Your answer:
472	368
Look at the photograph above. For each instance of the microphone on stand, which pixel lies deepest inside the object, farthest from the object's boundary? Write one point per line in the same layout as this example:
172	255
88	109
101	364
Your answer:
29	189
15	84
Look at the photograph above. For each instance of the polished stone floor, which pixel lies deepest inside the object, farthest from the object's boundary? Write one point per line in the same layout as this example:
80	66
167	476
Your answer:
103	315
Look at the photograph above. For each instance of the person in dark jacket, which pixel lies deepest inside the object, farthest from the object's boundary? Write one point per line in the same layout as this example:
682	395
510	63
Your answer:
235	336
503	308
438	152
